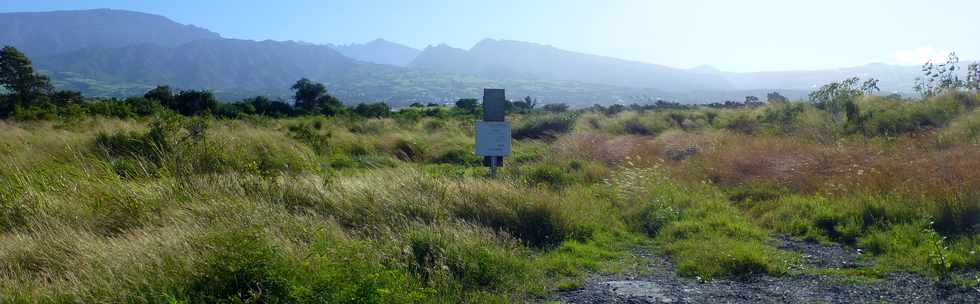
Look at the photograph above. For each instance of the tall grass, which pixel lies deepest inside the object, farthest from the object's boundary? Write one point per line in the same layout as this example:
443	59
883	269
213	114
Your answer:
313	209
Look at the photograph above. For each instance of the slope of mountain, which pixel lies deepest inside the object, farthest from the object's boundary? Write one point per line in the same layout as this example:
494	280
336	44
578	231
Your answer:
48	33
379	51
218	64
502	59
893	78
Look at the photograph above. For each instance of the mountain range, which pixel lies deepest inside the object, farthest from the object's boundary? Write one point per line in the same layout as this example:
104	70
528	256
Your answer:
379	51
119	53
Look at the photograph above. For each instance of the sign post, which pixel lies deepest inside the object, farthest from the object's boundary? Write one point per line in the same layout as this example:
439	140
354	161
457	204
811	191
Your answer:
493	133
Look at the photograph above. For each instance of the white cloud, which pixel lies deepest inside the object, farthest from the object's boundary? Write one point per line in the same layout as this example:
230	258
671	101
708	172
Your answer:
920	56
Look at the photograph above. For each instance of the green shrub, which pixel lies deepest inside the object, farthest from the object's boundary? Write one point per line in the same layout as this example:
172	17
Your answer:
242	267
915	247
406	150
545	126
466	262
965	128
173	143
551	175
310	134
635	127
783	117
558	175
246	267
880	117
658	217
719	257
111	108
742	123
755	192
957	215
458	157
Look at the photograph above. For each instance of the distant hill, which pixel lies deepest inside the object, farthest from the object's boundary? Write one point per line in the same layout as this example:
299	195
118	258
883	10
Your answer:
49	33
379	51
503	59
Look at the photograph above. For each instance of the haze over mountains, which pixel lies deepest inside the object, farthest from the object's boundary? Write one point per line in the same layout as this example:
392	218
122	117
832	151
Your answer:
379	51
118	53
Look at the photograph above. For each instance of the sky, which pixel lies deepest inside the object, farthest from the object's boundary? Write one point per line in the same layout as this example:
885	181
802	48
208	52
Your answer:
738	36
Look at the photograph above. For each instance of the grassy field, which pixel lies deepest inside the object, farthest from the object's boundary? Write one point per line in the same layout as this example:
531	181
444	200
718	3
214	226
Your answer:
172	209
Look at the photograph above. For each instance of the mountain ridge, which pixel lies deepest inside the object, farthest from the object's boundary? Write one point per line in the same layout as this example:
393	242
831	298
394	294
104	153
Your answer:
503	58
379	51
117	52
39	34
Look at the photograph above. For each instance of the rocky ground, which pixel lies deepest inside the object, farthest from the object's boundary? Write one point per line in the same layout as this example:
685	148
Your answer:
663	285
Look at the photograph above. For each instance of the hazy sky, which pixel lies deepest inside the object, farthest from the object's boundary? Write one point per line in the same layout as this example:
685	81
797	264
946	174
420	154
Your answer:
731	35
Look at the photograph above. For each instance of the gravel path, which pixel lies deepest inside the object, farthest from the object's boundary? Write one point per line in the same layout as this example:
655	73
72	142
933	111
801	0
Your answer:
662	285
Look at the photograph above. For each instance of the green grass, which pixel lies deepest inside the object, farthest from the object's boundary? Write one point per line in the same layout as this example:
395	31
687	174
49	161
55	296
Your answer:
399	210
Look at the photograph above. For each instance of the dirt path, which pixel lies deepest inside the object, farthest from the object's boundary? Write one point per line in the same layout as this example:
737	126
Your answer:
662	285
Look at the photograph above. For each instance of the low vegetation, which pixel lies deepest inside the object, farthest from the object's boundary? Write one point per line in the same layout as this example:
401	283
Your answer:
322	203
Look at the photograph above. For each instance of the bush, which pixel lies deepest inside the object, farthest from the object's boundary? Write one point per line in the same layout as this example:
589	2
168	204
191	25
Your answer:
458	157
193	102
471	261
545	126
635	127
917	248
742	123
372	110
890	118
965	128
550	175
143	107
556	175
720	257
173	143
242	267
634	123
111	108
783	116
310	135
408	150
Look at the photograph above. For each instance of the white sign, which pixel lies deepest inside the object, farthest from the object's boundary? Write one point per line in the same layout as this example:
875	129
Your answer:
493	138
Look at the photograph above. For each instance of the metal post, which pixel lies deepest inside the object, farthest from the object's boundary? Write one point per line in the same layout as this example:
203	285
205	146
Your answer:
493	167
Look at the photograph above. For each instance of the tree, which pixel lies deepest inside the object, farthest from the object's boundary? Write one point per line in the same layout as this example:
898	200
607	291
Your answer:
615	109
839	97
63	98
751	99
143	106
161	94
469	105
194	102
373	110
264	106
17	76
526	105
776	98
939	78
311	98
973	77
870	86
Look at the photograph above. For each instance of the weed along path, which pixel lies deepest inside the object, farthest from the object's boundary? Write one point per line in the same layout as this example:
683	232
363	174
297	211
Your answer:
812	280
